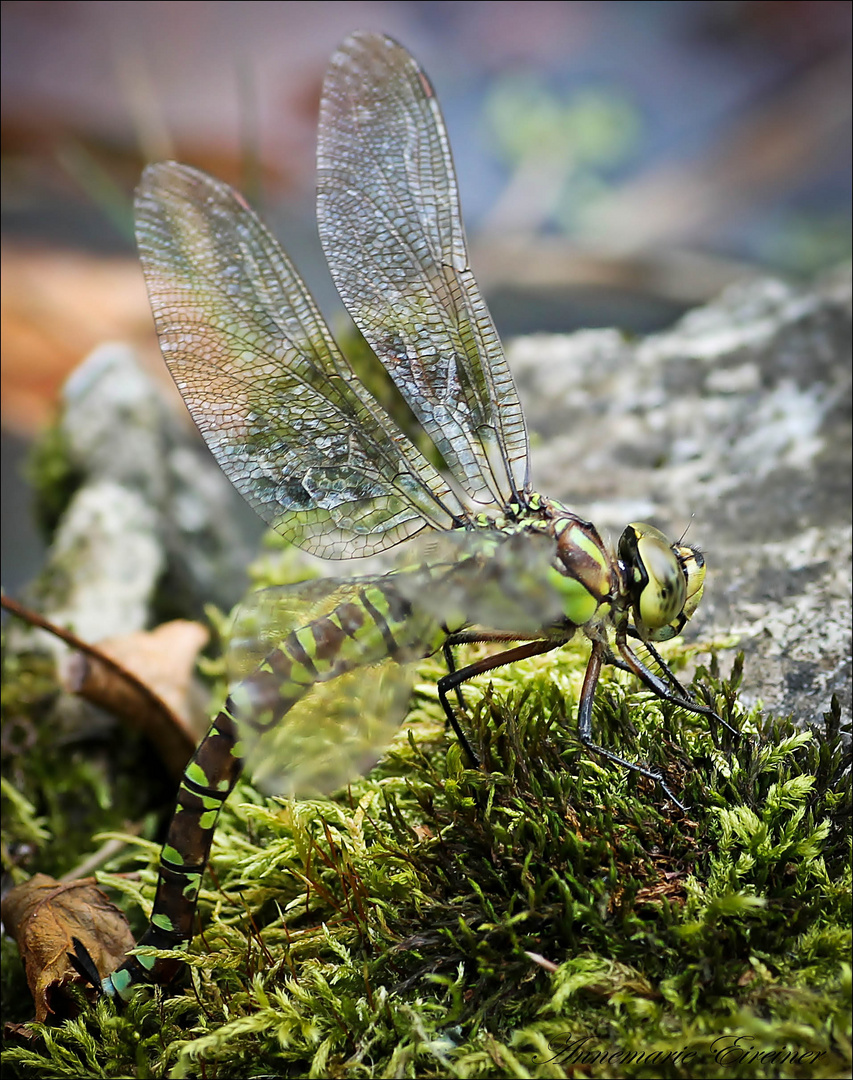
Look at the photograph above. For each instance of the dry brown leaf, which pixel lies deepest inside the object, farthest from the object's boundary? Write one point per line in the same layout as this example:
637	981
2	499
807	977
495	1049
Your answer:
151	684
55	307
164	659
44	915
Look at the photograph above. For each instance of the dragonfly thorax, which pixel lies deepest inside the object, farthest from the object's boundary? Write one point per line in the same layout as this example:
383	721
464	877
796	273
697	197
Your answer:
587	577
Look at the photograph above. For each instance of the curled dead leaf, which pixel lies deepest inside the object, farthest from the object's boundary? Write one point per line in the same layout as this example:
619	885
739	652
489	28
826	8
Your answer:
44	916
145	678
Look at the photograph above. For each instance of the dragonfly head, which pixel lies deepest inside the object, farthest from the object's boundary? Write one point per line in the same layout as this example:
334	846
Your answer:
665	581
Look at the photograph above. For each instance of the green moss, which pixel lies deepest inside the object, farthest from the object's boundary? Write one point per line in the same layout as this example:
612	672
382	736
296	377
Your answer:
67	774
68	770
53	476
546	914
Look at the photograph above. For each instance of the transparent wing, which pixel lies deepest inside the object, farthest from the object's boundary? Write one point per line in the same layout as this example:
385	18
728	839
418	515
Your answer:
390	223
498	582
332	736
324	667
275	400
321	695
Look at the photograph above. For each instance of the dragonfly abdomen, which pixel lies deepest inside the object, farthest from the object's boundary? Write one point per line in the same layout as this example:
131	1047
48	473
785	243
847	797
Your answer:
374	624
207	782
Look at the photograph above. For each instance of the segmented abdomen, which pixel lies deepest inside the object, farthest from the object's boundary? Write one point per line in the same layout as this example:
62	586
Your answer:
375	624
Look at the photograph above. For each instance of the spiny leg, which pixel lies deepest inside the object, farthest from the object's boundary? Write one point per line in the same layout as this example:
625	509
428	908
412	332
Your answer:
450	660
682	696
593	671
468	637
455	677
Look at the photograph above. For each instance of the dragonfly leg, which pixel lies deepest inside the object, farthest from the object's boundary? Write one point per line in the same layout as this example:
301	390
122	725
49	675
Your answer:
593	670
683	697
675	692
610	657
455	677
468	637
450	660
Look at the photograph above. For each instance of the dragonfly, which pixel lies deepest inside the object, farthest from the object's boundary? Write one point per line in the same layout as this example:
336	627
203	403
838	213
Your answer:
325	463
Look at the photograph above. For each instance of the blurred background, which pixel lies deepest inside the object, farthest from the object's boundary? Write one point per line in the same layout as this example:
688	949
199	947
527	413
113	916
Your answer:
618	162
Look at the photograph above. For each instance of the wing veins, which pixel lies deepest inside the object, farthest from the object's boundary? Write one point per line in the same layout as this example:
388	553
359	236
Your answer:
180	245
408	110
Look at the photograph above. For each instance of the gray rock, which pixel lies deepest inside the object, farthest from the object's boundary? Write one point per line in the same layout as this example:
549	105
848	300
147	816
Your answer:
104	563
734	424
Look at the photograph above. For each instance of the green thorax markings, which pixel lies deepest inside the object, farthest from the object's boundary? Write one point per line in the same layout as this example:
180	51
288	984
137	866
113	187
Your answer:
587	577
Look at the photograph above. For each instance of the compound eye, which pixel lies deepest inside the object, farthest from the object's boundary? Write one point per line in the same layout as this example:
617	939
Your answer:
693	564
662	599
659	580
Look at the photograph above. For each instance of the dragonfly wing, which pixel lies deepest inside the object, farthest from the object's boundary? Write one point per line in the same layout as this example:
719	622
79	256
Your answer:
390	223
336	733
275	400
498	582
325	682
324	667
